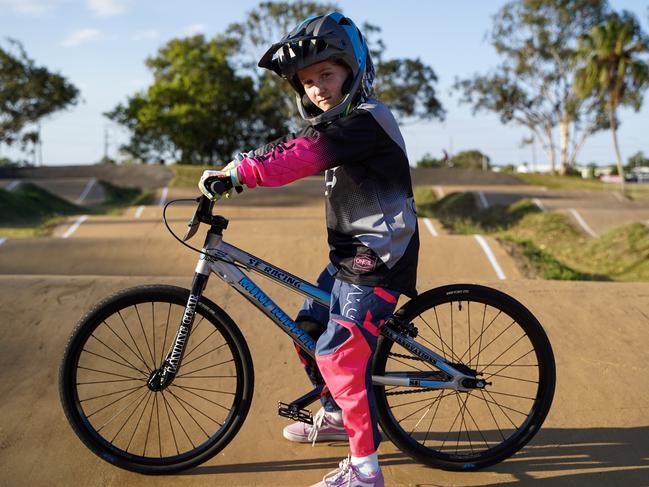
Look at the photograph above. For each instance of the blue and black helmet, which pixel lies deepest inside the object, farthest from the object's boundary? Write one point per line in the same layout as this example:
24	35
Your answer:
318	39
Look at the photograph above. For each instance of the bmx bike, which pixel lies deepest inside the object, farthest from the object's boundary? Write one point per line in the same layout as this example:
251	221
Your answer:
157	379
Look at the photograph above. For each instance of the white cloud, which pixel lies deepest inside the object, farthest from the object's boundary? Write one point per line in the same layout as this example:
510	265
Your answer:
150	34
79	37
29	7
107	8
194	29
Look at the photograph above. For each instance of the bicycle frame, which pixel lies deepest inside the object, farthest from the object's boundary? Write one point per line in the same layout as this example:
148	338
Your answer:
226	261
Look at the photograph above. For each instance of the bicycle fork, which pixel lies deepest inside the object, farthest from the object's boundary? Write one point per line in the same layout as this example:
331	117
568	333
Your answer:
162	377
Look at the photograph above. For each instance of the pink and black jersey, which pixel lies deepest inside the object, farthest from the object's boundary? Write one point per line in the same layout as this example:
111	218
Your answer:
371	219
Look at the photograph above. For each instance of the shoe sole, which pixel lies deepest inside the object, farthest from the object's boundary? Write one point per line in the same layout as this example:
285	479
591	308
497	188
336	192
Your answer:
303	439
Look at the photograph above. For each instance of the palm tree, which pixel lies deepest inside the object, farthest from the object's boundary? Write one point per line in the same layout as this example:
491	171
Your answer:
613	68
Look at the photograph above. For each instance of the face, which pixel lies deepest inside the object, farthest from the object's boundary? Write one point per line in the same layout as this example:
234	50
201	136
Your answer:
323	83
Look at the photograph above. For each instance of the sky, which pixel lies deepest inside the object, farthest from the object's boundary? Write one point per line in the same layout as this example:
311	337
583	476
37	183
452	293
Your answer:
101	45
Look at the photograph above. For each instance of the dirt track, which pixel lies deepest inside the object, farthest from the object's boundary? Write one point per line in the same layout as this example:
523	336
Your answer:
596	433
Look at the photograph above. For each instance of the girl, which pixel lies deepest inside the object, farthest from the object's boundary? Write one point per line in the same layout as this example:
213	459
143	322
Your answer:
371	223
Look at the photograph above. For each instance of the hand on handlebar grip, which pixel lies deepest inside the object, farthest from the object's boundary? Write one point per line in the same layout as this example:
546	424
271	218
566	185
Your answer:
215	184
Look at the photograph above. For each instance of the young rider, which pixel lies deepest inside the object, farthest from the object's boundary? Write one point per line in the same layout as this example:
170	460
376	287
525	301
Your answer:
371	223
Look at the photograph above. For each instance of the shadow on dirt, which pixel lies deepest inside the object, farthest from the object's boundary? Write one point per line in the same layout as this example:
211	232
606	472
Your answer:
556	457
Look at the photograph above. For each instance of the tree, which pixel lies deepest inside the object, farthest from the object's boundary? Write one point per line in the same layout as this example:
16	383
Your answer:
429	161
470	159
638	160
532	87
198	109
406	85
28	93
613	70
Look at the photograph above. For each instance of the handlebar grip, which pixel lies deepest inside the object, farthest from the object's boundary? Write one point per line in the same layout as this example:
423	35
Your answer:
215	185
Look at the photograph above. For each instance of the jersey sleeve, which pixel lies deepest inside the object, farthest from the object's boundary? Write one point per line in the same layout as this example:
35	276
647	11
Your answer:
315	149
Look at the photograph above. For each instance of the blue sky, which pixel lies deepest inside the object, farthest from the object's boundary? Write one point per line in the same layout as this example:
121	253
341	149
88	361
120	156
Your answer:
101	45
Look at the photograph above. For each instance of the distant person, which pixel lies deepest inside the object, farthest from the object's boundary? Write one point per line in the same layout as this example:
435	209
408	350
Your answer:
371	223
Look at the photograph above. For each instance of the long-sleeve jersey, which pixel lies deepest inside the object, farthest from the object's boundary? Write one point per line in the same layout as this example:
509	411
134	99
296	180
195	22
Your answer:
370	210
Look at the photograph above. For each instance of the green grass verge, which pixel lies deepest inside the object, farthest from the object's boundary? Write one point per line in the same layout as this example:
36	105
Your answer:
30	210
187	176
547	245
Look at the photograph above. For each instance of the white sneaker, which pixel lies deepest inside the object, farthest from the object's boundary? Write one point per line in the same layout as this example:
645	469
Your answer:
324	428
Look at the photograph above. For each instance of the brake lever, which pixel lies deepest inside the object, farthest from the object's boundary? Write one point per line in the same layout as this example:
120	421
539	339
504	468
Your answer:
201	214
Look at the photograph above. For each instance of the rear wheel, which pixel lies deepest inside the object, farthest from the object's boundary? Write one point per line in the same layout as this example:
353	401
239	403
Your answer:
112	353
484	331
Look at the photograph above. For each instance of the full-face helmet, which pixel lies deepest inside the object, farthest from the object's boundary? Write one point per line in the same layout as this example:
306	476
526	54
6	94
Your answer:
318	39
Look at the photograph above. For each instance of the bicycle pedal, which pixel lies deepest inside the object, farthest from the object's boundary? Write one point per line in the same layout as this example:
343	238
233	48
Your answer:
291	411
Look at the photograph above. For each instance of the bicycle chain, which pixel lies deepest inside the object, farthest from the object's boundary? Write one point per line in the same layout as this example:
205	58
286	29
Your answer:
400	355
414	391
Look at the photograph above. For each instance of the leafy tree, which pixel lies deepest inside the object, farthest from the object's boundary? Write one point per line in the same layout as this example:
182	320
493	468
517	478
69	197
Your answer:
429	161
613	70
406	85
197	110
532	87
470	159
637	160
28	93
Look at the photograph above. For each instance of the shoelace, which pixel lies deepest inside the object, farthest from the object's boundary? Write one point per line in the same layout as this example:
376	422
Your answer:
318	419
344	468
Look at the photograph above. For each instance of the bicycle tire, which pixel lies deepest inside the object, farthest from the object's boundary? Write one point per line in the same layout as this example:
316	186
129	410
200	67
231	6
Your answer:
468	430
106	365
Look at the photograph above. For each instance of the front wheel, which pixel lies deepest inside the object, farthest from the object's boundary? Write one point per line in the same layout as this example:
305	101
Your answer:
111	355
476	329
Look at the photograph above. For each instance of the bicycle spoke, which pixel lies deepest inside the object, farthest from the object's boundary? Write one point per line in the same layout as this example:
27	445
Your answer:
110	404
202	341
137	425
109	394
171	426
178	420
114	361
146	340
476	424
492	341
181	401
462	422
424	415
489	375
126	344
482	334
203	354
206	399
492	415
112	440
119	313
148	429
439	402
109	373
119	355
205	368
206	390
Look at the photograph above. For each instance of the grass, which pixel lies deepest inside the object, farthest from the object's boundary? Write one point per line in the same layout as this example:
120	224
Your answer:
187	176
30	210
547	245
633	191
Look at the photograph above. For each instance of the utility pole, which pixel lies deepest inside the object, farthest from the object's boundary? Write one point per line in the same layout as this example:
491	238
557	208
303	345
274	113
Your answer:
105	144
40	146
